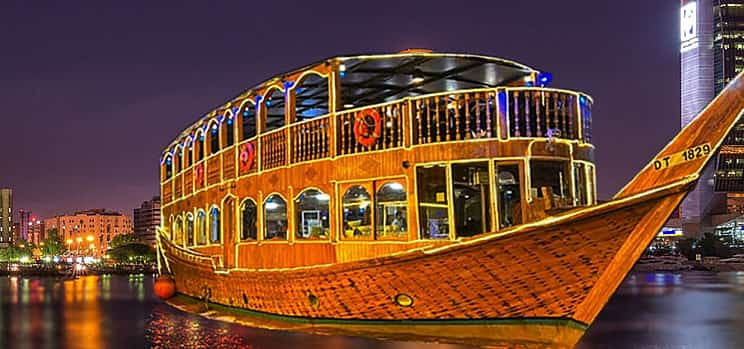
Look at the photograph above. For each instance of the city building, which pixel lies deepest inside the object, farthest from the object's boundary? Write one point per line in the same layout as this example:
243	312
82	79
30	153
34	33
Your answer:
36	231
696	41
728	58
24	218
6	216
147	219
89	232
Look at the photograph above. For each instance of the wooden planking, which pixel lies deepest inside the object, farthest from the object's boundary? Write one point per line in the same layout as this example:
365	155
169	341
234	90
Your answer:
284	254
228	163
710	126
214	170
545	272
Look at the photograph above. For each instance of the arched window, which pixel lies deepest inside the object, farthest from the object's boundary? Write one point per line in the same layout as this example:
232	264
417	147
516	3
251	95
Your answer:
190	229
248	219
214	225
179	159
178	230
229	128
199	143
168	166
201	228
214	138
248	121
275	218
274	106
391	210
189	151
311	210
311	97
356	213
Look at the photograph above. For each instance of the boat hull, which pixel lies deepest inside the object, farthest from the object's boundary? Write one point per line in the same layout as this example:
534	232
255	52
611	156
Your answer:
541	285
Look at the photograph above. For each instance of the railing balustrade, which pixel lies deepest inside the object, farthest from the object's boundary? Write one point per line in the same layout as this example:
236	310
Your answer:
541	112
310	139
391	133
454	117
274	149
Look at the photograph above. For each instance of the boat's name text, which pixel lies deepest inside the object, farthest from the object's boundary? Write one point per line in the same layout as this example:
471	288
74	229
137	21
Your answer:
690	154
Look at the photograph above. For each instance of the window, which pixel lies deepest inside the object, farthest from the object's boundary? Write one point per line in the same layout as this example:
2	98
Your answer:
229	131
201	228
550	183
168	167
433	208
275	218
199	147
311	97
214	225
190	229
509	195
356	207
249	228
471	193
580	184
189	153
214	139
248	117
177	230
391	218
274	107
311	209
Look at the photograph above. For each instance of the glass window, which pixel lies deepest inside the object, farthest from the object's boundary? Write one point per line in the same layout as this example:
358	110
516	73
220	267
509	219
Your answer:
178	231
275	218
249	227
311	97
189	154
357	222
472	202
509	195
550	182
179	160
168	167
580	184
201	228
214	225
432	195
214	139
274	103
311	209
248	116
199	147
229	131
391	206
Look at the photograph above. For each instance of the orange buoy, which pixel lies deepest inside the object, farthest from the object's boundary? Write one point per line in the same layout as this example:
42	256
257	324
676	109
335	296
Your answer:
165	287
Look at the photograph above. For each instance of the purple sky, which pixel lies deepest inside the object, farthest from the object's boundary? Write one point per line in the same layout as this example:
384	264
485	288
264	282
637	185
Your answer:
90	93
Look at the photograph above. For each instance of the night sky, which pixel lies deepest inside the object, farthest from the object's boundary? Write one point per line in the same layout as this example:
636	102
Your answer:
90	93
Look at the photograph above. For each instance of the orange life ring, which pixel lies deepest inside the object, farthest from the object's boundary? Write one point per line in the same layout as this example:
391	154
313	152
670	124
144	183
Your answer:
247	156
367	126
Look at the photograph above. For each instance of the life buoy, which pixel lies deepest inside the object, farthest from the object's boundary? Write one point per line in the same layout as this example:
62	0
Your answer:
367	126
247	156
199	171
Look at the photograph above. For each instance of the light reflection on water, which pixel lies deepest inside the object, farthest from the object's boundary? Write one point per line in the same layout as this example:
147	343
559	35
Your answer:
690	310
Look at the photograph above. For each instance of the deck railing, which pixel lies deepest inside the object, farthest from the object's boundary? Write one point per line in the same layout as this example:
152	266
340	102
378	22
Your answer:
392	130
499	113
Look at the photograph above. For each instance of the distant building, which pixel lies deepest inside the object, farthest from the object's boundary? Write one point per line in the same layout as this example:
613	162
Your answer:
728	58
36	232
6	216
89	232
147	219
696	41
24	219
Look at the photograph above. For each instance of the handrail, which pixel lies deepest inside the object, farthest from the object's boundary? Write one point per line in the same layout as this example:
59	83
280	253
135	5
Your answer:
497	113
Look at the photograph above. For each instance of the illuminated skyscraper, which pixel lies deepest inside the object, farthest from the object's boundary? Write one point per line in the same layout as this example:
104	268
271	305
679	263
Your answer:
696	36
728	58
6	215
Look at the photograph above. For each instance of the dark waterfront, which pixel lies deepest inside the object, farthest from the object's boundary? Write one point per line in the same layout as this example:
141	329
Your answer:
686	311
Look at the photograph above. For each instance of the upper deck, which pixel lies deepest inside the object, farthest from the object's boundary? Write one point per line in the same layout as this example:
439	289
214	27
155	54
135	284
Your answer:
421	98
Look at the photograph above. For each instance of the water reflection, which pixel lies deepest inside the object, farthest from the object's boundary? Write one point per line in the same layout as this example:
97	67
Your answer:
650	310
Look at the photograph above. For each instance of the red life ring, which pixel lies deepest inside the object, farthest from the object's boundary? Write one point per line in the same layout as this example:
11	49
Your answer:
367	126
199	169
247	156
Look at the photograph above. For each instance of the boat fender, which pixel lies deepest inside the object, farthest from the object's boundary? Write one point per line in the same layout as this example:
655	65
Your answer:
165	287
367	126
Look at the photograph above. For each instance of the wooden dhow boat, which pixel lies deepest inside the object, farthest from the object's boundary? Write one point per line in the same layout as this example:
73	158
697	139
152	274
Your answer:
413	195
